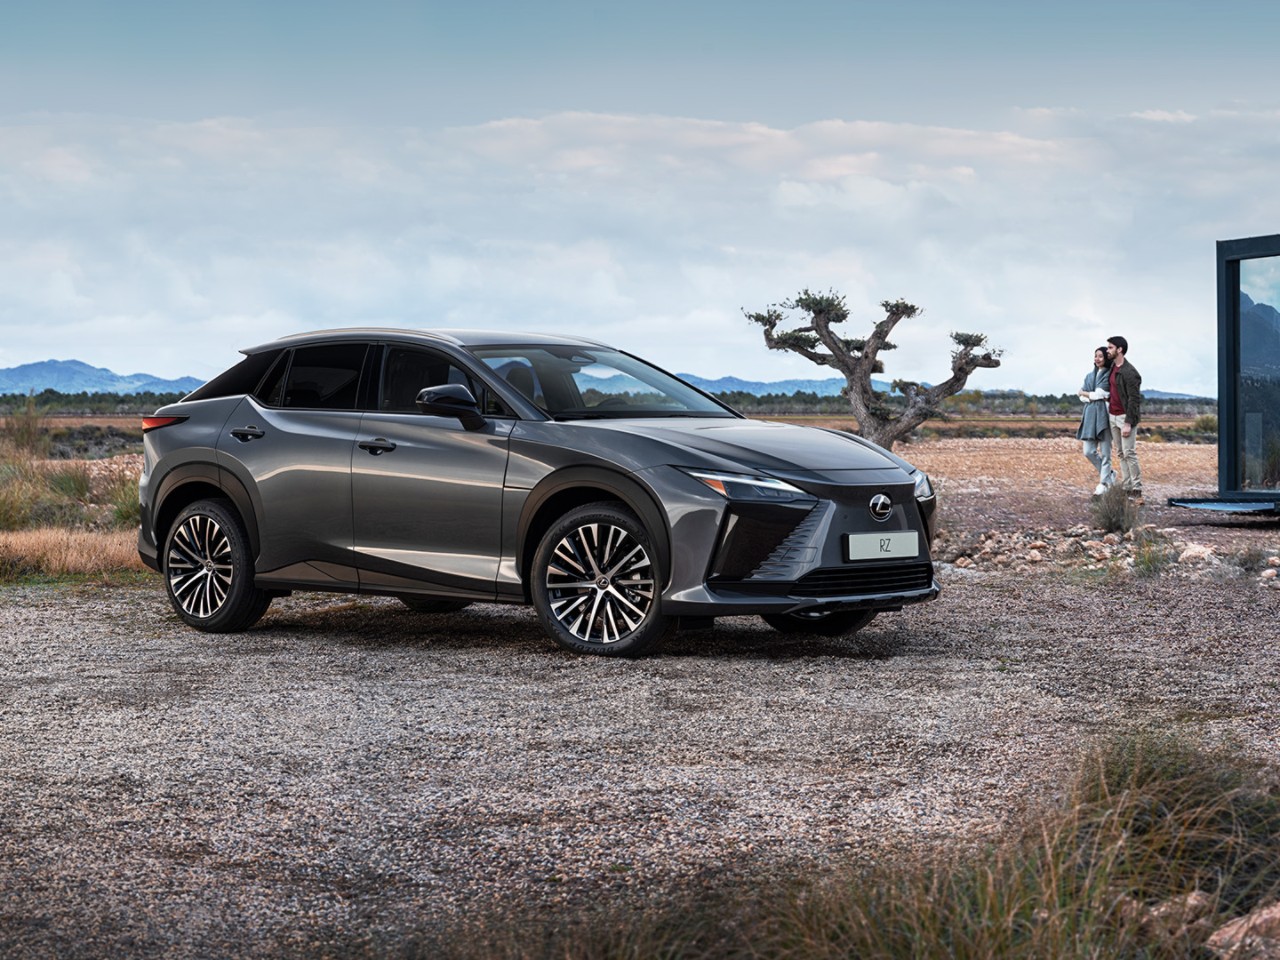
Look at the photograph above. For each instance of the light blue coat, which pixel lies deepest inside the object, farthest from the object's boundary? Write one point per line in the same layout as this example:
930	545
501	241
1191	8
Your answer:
1095	422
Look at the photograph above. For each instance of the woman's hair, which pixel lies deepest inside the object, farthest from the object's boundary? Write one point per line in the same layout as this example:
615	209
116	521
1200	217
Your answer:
1105	359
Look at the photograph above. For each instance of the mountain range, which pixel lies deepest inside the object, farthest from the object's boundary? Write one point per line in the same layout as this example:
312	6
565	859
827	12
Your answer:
74	376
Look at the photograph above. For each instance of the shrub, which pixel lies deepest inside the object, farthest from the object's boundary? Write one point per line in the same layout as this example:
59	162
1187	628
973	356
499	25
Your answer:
1205	423
24	429
1151	553
121	495
1250	559
1114	512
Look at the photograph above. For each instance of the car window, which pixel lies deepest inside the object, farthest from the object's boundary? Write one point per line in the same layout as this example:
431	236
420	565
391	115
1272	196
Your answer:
573	383
242	378
407	371
323	377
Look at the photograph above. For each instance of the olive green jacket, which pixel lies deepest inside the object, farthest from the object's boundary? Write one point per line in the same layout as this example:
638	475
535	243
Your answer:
1128	391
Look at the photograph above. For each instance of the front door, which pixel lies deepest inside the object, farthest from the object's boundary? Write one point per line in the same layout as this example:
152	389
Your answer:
427	493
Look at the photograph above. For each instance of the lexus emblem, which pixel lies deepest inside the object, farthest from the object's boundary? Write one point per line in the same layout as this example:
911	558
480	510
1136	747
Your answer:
881	506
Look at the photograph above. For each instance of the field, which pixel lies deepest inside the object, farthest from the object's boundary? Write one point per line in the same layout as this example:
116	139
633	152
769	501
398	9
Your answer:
351	779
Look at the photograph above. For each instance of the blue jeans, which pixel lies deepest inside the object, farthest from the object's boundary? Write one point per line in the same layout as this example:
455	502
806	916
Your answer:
1098	453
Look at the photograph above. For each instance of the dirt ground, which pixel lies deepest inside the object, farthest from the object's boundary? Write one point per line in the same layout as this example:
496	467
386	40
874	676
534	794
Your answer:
1033	485
348	777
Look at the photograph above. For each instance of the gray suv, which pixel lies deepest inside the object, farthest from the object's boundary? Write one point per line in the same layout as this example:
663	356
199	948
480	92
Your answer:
452	466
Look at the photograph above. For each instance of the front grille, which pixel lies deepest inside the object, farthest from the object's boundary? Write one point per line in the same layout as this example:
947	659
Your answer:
865	578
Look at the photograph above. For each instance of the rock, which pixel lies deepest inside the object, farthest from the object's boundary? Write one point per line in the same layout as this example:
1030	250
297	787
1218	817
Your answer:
1256	935
1184	919
1111	539
1269	574
1195	552
963	563
1035	556
1273	561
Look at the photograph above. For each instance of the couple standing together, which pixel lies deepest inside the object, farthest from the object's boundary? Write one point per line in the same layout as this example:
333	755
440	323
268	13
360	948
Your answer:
1112	395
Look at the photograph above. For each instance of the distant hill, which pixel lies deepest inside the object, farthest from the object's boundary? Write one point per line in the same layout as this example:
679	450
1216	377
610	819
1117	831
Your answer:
73	376
823	388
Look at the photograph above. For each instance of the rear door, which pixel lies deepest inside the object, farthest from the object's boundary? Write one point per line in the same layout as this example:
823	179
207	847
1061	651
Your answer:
291	445
427	493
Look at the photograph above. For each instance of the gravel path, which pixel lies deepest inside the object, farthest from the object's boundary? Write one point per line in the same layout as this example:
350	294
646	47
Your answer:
349	773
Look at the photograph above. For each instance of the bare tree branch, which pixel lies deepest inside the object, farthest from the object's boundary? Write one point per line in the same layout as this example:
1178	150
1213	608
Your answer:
858	359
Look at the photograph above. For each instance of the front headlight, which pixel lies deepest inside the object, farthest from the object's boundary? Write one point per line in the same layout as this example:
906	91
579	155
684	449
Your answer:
924	489
738	486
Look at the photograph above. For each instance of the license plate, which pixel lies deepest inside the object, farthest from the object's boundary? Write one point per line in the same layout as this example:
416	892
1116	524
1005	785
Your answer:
899	545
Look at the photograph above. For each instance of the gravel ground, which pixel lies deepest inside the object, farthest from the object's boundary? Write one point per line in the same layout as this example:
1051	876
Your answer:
349	774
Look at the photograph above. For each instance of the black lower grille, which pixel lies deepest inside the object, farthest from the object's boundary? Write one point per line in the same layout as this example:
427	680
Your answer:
864	578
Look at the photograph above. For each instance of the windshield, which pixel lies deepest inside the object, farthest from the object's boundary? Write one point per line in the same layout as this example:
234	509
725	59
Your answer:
576	383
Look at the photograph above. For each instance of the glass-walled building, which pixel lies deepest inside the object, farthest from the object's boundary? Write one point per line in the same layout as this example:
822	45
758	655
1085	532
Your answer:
1249	368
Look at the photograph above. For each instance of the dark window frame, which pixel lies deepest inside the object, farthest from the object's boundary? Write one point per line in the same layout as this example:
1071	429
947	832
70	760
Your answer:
492	406
1230	439
285	363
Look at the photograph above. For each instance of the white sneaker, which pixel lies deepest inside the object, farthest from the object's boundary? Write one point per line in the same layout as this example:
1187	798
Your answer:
1100	489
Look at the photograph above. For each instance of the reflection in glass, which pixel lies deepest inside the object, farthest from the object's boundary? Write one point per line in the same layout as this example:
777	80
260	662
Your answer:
1259	375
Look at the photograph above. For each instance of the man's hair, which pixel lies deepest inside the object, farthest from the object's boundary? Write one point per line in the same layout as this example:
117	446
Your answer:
1120	342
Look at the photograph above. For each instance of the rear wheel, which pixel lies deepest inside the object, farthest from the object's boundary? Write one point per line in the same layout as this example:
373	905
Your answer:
827	623
208	569
596	583
433	604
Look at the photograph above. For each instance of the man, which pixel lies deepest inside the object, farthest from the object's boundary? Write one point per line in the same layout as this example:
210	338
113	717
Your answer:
1125	409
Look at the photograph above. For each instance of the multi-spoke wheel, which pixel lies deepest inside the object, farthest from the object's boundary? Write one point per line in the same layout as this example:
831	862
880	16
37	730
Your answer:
208	569
827	623
597	583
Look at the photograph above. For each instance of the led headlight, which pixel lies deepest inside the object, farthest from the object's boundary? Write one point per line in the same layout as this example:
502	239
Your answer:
738	486
924	489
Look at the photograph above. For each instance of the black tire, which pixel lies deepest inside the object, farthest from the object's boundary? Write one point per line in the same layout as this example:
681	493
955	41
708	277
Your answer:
208	569
434	604
596	583
826	623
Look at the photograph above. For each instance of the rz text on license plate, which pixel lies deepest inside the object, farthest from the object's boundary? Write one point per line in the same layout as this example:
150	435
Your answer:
899	545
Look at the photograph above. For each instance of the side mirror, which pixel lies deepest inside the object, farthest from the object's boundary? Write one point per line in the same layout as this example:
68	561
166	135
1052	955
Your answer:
451	400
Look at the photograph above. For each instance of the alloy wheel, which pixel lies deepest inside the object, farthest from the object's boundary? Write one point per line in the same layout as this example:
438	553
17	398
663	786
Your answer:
600	583
200	565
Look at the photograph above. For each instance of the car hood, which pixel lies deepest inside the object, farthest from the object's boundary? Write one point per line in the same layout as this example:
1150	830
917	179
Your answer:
779	448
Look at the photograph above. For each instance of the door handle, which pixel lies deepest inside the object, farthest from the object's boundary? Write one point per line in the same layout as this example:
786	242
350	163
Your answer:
378	446
245	434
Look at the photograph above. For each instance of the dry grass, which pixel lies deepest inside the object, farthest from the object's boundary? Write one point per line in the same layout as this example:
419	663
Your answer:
59	551
1158	842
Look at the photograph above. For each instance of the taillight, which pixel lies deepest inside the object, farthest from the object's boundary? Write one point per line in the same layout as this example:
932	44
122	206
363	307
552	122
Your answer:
155	423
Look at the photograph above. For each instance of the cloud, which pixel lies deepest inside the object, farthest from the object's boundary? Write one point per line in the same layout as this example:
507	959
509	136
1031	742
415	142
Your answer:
1165	116
649	231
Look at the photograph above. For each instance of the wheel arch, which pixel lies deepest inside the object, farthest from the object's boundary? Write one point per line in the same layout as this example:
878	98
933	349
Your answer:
188	483
574	487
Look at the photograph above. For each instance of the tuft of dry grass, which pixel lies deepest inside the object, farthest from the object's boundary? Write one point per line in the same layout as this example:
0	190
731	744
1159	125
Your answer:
1114	512
60	551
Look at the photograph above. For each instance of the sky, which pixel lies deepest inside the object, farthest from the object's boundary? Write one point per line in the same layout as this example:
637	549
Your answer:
180	180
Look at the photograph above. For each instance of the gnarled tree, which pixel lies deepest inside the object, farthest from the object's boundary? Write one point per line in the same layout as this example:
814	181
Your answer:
858	358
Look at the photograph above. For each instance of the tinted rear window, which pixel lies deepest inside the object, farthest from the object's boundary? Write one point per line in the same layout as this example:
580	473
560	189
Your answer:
323	377
242	378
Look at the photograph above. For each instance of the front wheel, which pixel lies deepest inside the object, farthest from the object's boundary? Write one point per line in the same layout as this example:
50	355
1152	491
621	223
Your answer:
826	623
596	583
208	569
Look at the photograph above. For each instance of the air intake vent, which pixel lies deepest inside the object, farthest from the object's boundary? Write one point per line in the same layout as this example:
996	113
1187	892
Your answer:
864	579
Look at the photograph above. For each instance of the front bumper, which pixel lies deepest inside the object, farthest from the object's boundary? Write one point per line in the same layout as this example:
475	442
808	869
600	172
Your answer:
790	558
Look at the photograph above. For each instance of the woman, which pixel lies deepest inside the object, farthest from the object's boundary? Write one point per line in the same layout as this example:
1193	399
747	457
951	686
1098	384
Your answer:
1095	425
